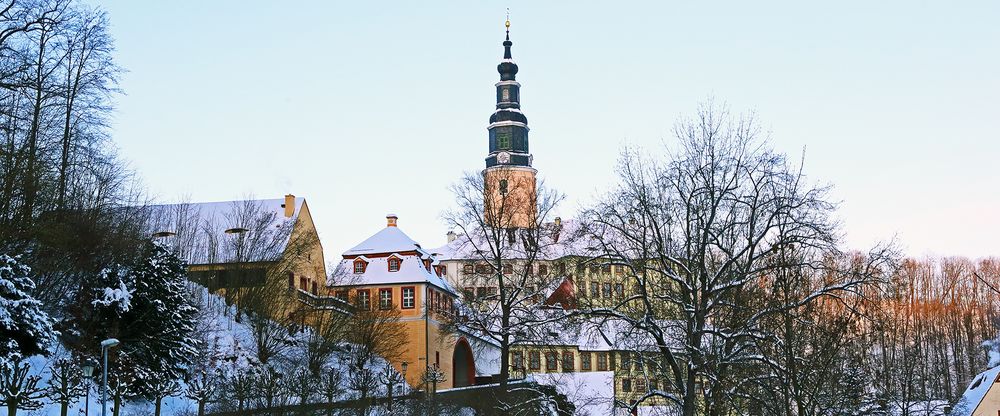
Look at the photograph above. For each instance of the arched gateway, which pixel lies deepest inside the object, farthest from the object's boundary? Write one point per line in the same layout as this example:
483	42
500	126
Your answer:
463	365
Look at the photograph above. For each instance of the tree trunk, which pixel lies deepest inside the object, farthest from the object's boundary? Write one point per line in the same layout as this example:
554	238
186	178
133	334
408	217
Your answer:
117	406
63	408
12	409
159	402
201	408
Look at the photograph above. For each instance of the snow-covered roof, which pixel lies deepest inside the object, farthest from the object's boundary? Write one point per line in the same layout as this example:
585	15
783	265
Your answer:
568	238
210	232
976	392
390	242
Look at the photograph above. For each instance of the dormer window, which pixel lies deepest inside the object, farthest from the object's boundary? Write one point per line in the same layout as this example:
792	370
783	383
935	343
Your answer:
359	266
162	234
236	230
394	264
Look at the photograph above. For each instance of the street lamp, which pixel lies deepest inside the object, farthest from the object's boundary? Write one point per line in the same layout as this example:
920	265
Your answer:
105	346
406	386
88	373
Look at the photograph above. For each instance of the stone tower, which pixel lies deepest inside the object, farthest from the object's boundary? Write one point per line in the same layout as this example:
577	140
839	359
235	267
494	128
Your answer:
509	180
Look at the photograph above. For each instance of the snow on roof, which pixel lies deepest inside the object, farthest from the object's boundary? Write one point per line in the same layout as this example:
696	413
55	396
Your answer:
592	391
376	250
204	233
390	239
977	390
568	238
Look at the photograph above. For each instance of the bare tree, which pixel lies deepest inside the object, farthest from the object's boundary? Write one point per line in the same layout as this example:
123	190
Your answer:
203	387
507	228
65	384
693	235
19	388
372	334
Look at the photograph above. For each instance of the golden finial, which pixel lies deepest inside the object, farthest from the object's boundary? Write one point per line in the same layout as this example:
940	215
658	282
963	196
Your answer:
507	24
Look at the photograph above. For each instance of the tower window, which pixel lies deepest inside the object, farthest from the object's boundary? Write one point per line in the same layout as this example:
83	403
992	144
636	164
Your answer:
503	140
503	187
505	94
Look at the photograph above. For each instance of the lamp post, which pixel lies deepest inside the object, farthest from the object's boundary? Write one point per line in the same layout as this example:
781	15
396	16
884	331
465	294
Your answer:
105	346
406	386
88	374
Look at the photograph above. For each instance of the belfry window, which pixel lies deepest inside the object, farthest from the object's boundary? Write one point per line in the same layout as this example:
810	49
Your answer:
503	140
505	94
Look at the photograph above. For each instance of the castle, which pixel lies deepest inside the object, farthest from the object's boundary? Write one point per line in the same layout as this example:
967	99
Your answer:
428	287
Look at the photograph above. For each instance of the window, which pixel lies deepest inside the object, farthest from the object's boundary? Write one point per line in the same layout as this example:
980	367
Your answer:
638	362
315	290
444	269
619	270
385	298
482	269
505	94
580	268
481	292
640	385
619	290
393	264
518	358
602	361
606	269
568	363
342	295
468	268
291	280
364	299
551	361
503	142
304	283
543	269
594	290
562	268
625	362
503	187
409	294
359	266
534	360
627	385
427	265
508	268
606	290
585	361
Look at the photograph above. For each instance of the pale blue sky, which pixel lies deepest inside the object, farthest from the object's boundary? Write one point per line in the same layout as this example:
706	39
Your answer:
366	108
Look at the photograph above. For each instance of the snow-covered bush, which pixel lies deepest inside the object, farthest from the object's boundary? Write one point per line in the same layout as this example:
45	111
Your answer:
25	329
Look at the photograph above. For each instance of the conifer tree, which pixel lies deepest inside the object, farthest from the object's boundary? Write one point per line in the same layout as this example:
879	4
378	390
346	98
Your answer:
25	329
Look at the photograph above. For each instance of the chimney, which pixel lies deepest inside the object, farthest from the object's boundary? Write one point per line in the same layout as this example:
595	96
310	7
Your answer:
390	220
452	236
558	221
289	205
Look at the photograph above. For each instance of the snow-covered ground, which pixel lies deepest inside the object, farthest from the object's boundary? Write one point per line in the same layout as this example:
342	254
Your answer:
230	340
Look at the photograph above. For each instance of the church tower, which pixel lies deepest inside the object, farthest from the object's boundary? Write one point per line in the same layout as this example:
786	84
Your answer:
509	180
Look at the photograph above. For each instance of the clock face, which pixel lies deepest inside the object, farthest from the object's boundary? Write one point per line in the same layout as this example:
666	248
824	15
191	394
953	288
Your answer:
503	157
